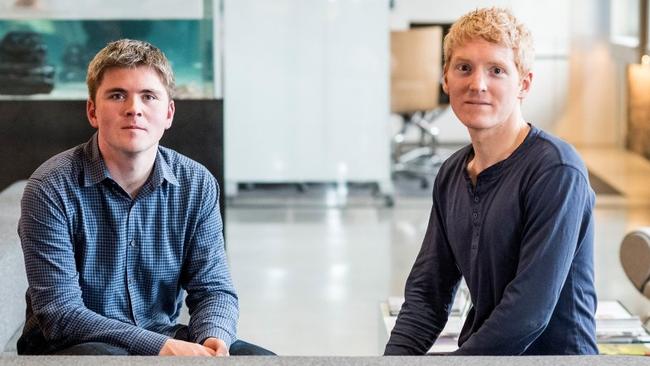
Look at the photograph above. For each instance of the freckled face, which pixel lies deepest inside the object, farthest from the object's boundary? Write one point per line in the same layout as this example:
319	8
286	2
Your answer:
485	89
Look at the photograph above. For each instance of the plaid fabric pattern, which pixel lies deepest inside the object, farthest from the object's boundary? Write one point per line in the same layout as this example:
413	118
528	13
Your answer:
105	267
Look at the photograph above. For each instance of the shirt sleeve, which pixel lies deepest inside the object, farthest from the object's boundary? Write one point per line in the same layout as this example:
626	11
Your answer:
429	293
211	298
557	208
55	294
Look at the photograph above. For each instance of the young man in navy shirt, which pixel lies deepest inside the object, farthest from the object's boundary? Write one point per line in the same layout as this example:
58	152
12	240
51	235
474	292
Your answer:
512	214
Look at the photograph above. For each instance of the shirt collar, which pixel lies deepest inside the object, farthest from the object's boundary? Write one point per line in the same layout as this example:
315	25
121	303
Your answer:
162	171
493	171
95	170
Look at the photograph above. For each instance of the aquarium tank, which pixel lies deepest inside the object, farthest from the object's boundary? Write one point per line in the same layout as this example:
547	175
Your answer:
44	55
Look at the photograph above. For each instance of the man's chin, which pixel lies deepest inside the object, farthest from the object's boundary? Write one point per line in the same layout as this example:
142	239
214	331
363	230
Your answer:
478	123
134	150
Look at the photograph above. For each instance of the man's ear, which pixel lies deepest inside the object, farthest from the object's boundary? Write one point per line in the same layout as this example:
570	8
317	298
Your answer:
91	113
524	85
444	83
171	109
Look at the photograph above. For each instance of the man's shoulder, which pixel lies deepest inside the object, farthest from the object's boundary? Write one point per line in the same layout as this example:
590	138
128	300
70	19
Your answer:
549	150
63	167
184	168
453	165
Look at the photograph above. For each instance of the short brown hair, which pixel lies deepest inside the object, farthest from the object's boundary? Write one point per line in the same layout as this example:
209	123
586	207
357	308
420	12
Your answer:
495	25
129	53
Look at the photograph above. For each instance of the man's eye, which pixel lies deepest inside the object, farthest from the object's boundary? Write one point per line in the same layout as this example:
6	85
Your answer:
498	71
463	67
149	97
116	96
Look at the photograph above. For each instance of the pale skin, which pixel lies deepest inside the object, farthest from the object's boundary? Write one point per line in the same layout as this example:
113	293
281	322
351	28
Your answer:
485	91
131	110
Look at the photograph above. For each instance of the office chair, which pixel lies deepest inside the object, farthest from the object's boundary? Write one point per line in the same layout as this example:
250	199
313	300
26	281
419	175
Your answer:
416	68
635	259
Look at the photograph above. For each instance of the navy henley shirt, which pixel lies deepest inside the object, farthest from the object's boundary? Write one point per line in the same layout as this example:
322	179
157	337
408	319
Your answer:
522	238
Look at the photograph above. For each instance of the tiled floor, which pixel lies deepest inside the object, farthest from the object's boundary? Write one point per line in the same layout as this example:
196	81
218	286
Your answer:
311	273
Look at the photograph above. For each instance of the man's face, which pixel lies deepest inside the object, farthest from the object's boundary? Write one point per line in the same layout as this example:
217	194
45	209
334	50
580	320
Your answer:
485	89
131	111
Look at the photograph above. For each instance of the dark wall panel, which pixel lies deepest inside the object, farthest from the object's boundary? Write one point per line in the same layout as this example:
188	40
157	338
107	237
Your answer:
33	131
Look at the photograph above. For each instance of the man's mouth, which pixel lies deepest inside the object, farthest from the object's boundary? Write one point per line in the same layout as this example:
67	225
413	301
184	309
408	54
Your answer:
477	102
133	128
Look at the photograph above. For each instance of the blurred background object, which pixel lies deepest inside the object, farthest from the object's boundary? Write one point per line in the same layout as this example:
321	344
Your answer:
23	68
416	71
635	259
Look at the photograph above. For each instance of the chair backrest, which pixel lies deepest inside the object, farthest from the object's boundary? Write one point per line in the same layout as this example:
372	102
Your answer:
13	280
415	69
635	259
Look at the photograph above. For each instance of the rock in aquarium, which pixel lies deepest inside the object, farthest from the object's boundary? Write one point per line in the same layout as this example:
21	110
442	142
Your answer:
23	68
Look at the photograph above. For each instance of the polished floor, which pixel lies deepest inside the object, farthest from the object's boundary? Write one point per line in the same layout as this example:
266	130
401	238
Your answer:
312	269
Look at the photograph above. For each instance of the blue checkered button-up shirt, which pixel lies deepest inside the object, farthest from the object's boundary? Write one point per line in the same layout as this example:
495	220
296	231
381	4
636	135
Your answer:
103	267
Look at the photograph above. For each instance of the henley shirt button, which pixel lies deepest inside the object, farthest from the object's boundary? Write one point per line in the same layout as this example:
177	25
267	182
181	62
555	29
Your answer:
476	199
474	215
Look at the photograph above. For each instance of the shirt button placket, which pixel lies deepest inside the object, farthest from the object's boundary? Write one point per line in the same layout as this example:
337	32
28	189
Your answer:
475	225
130	262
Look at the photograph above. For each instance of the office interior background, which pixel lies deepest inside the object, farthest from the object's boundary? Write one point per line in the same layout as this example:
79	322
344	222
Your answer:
323	213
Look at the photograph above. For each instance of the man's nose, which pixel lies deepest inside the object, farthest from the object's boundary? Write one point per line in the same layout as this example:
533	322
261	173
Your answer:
133	106
478	81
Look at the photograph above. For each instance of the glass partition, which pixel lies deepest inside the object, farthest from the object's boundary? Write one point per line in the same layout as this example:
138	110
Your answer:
44	55
624	22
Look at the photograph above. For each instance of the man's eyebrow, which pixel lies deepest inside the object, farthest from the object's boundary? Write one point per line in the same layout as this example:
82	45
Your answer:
142	91
489	61
151	91
114	90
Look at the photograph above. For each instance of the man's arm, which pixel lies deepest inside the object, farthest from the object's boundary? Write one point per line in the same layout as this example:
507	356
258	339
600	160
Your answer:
429	293
555	214
53	279
211	296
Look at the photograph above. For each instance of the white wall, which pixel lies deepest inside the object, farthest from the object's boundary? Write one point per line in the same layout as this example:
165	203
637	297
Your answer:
437	10
306	91
98	9
596	114
549	23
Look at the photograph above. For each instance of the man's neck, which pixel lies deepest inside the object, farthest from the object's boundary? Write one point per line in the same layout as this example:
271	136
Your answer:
495	145
129	171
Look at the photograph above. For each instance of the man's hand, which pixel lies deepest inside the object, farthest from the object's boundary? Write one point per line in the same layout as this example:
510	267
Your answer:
217	345
175	347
